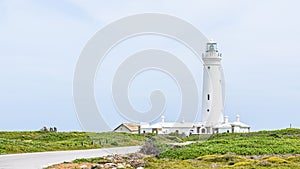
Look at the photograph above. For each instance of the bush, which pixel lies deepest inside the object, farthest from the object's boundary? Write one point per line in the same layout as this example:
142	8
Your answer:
222	158
114	144
294	159
150	148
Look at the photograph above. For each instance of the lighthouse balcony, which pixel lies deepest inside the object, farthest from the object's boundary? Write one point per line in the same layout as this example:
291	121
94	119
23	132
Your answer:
212	55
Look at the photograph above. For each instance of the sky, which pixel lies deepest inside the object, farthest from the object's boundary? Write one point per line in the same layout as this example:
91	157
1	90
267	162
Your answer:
40	43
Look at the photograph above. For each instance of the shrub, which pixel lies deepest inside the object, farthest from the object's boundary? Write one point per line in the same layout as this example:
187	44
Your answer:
114	144
294	159
222	158
150	148
276	160
238	164
264	163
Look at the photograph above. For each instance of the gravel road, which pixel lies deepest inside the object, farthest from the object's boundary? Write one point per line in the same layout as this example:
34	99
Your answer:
44	159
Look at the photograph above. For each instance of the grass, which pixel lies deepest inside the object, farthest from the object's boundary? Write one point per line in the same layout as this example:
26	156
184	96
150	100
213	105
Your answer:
226	161
260	150
38	141
203	162
286	141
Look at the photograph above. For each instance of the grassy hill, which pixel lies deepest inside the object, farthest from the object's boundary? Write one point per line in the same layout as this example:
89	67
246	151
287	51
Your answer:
286	141
38	141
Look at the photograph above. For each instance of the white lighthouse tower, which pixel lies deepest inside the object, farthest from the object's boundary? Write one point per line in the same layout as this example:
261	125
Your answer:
213	88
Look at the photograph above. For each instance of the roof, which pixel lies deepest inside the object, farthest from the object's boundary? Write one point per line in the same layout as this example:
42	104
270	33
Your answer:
211	41
129	126
228	125
239	124
223	125
170	125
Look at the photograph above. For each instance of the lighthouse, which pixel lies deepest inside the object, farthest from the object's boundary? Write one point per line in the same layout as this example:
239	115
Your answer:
213	88
213	119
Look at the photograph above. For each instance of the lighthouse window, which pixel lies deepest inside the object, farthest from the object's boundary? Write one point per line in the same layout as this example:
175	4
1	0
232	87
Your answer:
208	67
208	97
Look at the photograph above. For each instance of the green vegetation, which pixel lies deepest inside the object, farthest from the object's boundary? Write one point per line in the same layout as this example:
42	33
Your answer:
203	162
38	141
227	161
97	160
261	150
286	141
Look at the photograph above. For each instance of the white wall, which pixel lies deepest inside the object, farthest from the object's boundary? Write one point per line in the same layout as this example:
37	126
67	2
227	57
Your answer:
244	130
238	129
212	85
186	130
224	130
147	130
125	130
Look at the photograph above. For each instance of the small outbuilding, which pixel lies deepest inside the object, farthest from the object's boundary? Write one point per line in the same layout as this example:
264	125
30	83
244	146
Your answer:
239	127
224	127
234	127
127	128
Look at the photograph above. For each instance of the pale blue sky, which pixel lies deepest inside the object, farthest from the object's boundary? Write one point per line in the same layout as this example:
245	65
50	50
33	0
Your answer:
40	42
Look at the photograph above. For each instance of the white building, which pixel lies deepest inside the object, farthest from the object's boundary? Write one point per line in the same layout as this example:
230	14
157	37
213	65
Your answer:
167	127
213	85
214	95
189	128
234	127
239	127
224	127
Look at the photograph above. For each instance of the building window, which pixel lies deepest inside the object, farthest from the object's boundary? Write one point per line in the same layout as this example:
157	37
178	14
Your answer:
207	110
208	97
208	67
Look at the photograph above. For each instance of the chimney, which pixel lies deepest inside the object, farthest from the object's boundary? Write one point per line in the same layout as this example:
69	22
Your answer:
225	119
162	119
237	118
